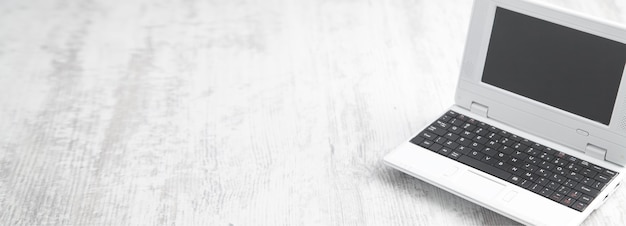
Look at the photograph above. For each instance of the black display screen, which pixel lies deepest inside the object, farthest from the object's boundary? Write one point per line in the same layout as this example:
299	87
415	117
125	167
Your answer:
559	66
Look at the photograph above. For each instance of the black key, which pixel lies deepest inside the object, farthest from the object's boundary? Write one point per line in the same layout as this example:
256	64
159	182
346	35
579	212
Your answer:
488	159
529	167
574	194
597	168
476	146
529	176
463	150
436	130
587	190
547	157
543	181
598	185
502	165
504	133
559	162
519	155
483	125
481	131
525	183
575	176
579	206
493	144
451	136
445	151
552	185
603	178
560	171
519	146
505	149
585	198
440	140
563	190
480	139
484	167
574	167
585	164
452	114
455	130
527	142
588	181
546	165
507	142
435	147
502	156
588	172
417	140
570	183
494	129
442	124
609	173
456	122
515	137
560	154
571	159
450	144
468	126
531	151
493	136
454	155
489	151
549	151
472	121
515	170
556	196
535	188
515	162
546	192
476	154
468	134
558	178
426	143
568	201
532	159
543	173
514	179
463	141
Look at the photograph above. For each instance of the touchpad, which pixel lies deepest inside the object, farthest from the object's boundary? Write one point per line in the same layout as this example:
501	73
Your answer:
479	185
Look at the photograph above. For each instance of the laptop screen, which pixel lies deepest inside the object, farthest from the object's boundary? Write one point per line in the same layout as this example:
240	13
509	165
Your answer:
559	66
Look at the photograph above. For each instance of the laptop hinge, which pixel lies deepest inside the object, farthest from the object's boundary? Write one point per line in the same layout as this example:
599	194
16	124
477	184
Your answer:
479	109
595	151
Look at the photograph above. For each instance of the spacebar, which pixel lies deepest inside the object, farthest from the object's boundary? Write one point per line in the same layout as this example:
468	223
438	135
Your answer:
484	167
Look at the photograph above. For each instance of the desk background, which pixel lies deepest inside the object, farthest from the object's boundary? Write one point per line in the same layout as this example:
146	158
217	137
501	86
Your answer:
231	112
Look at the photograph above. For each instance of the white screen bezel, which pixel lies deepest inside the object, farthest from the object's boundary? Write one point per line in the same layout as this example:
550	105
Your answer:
535	116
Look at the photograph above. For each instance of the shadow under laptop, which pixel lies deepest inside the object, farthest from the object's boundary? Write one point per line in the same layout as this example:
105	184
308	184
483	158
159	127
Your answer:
413	193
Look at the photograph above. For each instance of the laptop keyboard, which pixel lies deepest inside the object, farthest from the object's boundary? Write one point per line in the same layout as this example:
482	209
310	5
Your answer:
560	177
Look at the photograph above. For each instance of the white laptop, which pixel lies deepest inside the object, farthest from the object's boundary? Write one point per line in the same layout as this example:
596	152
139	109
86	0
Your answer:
537	132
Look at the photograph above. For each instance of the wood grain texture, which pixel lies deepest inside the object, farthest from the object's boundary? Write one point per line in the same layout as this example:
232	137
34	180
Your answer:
188	112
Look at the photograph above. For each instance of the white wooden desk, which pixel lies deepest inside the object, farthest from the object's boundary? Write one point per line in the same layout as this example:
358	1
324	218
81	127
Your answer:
227	112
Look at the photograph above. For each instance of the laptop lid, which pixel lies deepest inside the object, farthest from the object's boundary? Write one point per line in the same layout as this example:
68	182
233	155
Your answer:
553	73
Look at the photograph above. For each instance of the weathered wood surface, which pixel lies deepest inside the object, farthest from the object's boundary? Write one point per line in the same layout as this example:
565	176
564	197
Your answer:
230	112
